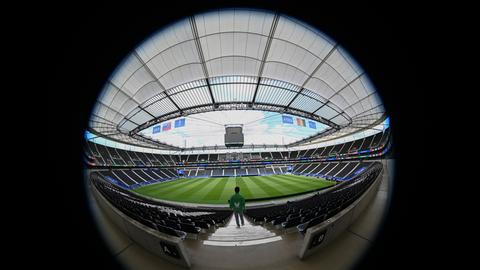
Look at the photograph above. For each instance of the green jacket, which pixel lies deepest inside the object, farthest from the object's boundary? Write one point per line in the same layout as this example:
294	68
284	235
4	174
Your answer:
237	203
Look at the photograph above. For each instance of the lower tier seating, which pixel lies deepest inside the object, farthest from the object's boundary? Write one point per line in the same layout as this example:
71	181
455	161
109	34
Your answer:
171	220
312	211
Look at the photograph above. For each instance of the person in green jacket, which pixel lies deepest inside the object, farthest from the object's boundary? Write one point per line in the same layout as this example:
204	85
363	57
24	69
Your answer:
237	203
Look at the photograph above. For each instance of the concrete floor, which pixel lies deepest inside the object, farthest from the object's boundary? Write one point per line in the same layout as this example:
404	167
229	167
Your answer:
340	254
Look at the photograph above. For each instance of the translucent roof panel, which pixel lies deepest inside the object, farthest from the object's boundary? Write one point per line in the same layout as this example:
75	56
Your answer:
161	107
141	117
293	55
147	91
303	36
346	69
275	94
326	112
233	65
236	56
247	21
234	88
307	101
192	97
128	126
284	72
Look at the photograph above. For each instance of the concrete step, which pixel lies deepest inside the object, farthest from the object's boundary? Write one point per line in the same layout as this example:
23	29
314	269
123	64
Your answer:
248	232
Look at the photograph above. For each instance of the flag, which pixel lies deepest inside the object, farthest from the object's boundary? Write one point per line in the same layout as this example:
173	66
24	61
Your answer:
300	122
156	129
287	119
312	124
179	123
166	126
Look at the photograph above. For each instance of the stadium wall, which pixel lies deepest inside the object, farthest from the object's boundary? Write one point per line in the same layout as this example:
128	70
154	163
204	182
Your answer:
321	235
148	238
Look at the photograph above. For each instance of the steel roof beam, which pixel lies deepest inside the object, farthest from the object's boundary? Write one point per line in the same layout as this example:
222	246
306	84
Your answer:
265	54
156	79
157	143
341	89
198	45
311	74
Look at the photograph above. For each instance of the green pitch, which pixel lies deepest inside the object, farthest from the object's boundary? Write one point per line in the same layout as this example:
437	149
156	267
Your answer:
219	190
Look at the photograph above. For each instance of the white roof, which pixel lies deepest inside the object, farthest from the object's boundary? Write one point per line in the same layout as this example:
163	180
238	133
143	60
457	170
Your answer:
252	59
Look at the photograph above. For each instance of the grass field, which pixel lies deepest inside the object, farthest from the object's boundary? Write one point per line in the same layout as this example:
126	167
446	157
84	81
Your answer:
219	190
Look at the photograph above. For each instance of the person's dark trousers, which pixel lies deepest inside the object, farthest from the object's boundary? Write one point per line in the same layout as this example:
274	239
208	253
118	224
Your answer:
241	218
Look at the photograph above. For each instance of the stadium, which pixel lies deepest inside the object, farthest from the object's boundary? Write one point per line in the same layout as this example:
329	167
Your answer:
238	98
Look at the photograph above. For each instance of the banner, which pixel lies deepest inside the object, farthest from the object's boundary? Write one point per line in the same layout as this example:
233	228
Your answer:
166	126
301	122
179	123
287	119
156	129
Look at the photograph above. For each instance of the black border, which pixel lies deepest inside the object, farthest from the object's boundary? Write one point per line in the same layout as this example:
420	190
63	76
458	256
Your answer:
81	45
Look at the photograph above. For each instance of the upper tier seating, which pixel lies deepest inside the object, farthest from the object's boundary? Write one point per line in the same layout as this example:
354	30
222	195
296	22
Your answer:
102	155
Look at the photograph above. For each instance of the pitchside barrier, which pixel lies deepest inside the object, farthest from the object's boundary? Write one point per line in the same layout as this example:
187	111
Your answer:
169	247
322	234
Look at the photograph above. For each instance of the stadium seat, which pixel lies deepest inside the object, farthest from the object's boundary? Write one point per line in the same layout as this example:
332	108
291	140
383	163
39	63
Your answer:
170	231
308	217
279	220
291	222
172	224
302	228
202	224
189	228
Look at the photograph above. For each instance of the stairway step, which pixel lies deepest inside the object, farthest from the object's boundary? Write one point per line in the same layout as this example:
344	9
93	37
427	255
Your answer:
248	232
243	243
